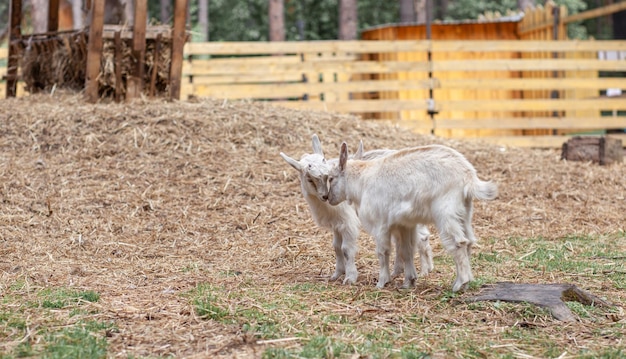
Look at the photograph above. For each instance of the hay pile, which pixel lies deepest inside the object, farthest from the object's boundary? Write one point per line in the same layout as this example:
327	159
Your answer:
142	202
60	62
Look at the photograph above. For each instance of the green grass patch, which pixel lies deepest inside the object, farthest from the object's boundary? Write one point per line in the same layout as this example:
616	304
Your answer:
62	298
208	305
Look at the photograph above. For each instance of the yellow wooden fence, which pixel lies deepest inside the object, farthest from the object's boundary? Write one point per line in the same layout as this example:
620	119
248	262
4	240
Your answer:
479	88
487	89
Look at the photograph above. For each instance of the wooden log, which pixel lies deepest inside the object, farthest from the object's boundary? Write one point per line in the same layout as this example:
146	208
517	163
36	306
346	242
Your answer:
94	51
549	296
15	34
178	41
602	150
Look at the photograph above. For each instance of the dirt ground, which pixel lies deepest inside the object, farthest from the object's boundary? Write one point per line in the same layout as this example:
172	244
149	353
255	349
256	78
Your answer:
142	202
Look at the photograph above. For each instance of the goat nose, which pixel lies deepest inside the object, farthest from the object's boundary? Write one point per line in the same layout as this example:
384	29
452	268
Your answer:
325	197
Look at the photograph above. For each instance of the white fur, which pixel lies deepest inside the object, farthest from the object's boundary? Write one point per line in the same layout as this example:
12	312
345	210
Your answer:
342	219
420	185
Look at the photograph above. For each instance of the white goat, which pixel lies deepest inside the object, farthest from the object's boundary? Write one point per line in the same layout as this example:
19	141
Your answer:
342	219
420	185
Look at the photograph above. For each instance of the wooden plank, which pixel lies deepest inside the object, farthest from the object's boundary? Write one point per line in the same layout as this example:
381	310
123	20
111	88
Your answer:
597	12
15	33
527	45
533	105
277	90
267	60
291	47
134	86
244	79
109	30
528	141
53	15
521	83
533	123
179	37
530	65
345	67
356	106
94	51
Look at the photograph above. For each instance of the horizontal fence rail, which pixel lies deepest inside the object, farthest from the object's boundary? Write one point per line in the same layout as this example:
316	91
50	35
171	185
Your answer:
528	92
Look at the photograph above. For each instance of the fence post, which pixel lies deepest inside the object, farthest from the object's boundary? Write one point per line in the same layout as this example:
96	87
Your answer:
15	34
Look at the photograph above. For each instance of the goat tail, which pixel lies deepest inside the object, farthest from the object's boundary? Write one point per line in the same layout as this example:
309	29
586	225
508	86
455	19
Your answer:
482	190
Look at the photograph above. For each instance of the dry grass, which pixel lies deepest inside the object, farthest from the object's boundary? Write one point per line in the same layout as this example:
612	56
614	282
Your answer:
155	204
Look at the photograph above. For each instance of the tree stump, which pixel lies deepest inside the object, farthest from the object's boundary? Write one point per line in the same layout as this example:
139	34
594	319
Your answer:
602	150
550	296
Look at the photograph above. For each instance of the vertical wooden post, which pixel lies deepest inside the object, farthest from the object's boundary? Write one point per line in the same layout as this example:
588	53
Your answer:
15	33
178	42
53	15
134	86
94	50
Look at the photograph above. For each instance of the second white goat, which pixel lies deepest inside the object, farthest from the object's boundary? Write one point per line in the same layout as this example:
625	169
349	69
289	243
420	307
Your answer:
420	185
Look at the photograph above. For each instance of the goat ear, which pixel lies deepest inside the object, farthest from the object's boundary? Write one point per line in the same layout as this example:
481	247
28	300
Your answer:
343	156
317	146
295	164
359	151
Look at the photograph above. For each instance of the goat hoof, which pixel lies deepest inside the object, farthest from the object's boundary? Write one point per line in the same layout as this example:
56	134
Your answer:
349	279
335	276
459	286
408	284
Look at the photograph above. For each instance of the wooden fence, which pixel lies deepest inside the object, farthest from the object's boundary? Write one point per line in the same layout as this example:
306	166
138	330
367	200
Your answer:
488	89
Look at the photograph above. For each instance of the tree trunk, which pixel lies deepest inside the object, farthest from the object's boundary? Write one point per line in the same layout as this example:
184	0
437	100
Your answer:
78	16
277	20
348	19
407	11
420	11
39	14
166	11
442	10
619	25
129	11
524	4
203	19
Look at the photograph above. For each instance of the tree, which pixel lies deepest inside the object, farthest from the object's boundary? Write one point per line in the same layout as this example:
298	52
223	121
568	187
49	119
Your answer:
524	4
203	19
348	19
276	14
39	15
407	11
421	10
165	12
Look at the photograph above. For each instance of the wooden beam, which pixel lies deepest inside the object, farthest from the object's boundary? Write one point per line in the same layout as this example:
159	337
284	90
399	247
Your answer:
15	34
290	47
179	37
597	12
94	51
532	123
53	15
135	81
